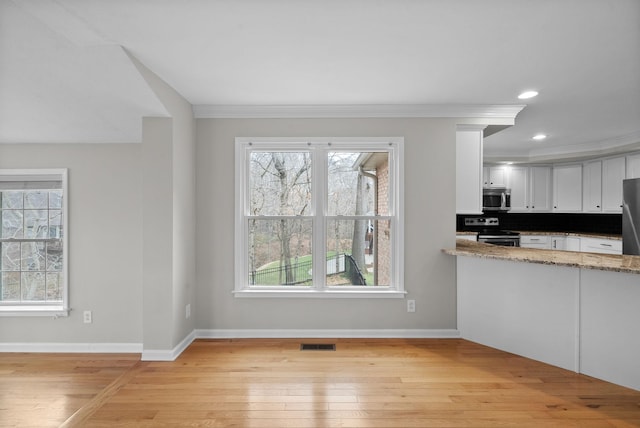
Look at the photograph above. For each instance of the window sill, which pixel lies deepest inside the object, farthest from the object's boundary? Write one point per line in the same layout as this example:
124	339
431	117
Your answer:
315	294
33	311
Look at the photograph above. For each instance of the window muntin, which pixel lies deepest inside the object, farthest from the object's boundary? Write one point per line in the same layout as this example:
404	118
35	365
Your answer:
332	207
33	261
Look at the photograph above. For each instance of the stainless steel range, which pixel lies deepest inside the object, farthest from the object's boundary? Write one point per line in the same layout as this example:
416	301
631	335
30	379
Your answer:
489	231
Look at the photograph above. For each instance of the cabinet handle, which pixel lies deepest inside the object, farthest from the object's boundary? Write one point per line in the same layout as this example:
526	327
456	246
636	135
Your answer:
606	245
597	206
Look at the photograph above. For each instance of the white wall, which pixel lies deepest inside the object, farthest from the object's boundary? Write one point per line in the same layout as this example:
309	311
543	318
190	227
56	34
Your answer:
105	243
429	226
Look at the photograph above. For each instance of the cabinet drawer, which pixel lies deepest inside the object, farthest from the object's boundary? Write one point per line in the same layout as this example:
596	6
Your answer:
534	241
595	245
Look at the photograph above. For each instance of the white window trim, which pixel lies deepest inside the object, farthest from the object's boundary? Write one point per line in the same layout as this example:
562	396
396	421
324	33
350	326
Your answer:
396	168
45	309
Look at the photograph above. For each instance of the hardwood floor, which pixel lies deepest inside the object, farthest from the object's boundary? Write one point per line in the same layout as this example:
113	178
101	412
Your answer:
272	383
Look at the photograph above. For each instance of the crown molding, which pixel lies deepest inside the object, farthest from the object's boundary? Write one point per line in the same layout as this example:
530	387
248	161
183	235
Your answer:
609	147
479	111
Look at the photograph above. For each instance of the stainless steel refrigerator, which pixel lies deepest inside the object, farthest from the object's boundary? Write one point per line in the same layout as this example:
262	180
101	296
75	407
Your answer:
631	216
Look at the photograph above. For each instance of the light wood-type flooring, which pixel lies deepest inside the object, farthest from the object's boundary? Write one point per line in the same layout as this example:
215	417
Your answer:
272	383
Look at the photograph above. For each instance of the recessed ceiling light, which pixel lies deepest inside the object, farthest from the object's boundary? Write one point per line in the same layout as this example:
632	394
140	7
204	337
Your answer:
527	94
539	137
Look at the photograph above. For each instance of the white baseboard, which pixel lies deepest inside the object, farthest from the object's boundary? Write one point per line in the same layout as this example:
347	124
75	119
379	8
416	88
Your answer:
169	354
106	348
337	333
172	354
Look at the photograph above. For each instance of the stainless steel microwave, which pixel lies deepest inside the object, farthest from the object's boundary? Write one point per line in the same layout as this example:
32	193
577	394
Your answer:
496	199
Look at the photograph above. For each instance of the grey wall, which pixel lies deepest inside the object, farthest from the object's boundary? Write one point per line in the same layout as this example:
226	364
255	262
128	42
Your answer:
105	243
169	190
429	227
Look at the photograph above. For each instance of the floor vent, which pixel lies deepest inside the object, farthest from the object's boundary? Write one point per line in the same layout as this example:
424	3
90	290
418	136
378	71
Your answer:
318	347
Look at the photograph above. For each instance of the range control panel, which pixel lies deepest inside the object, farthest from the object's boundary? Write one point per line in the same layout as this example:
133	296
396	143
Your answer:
481	221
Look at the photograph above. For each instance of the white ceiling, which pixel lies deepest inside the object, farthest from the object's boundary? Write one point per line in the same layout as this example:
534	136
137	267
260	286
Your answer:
65	76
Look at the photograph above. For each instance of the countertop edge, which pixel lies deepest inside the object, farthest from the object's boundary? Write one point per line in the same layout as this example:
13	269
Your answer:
594	261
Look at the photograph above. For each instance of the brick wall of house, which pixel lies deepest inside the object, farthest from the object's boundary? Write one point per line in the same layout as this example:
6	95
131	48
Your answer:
384	231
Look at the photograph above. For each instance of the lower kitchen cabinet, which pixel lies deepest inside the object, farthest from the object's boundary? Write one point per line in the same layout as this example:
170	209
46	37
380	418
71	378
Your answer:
600	245
535	241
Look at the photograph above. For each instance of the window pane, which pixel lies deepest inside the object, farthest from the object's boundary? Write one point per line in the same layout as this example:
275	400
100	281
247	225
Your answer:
280	252
33	256
10	256
10	286
36	223
55	199
11	199
357	183
54	256
33	286
54	286
359	252
11	224
280	183
36	199
55	224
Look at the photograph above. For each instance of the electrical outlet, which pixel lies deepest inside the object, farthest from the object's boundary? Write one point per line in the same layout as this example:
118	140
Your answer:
88	317
411	305
187	311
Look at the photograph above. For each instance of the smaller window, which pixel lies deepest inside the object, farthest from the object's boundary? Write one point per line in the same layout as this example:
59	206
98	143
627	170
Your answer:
33	244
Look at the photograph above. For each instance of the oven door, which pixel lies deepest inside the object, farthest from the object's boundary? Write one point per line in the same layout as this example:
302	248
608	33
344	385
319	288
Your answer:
505	241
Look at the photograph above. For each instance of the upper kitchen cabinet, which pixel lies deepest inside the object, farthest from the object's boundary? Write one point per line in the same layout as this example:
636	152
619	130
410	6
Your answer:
469	171
495	176
633	166
567	188
613	172
530	188
592	187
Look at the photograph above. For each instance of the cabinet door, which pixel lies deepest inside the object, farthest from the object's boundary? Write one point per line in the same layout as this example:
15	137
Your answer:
497	176
469	172
613	172
592	190
540	195
558	243
633	166
519	184
567	188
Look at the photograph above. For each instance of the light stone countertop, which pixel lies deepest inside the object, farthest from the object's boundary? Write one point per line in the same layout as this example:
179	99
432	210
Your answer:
608	262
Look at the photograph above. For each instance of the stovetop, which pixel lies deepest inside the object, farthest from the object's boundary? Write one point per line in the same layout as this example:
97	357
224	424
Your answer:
487	226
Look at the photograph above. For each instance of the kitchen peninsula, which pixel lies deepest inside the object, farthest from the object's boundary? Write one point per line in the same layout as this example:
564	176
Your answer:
578	311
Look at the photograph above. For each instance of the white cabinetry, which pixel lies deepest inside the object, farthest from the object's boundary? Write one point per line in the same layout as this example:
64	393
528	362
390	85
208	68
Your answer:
572	243
540	189
519	185
495	176
592	186
633	166
600	245
467	237
613	172
558	243
469	170
535	241
530	188
567	188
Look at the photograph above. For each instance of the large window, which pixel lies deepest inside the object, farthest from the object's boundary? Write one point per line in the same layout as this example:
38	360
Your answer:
33	260
319	217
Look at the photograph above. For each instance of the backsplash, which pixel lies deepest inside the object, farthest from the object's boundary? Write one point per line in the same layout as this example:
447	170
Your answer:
553	222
